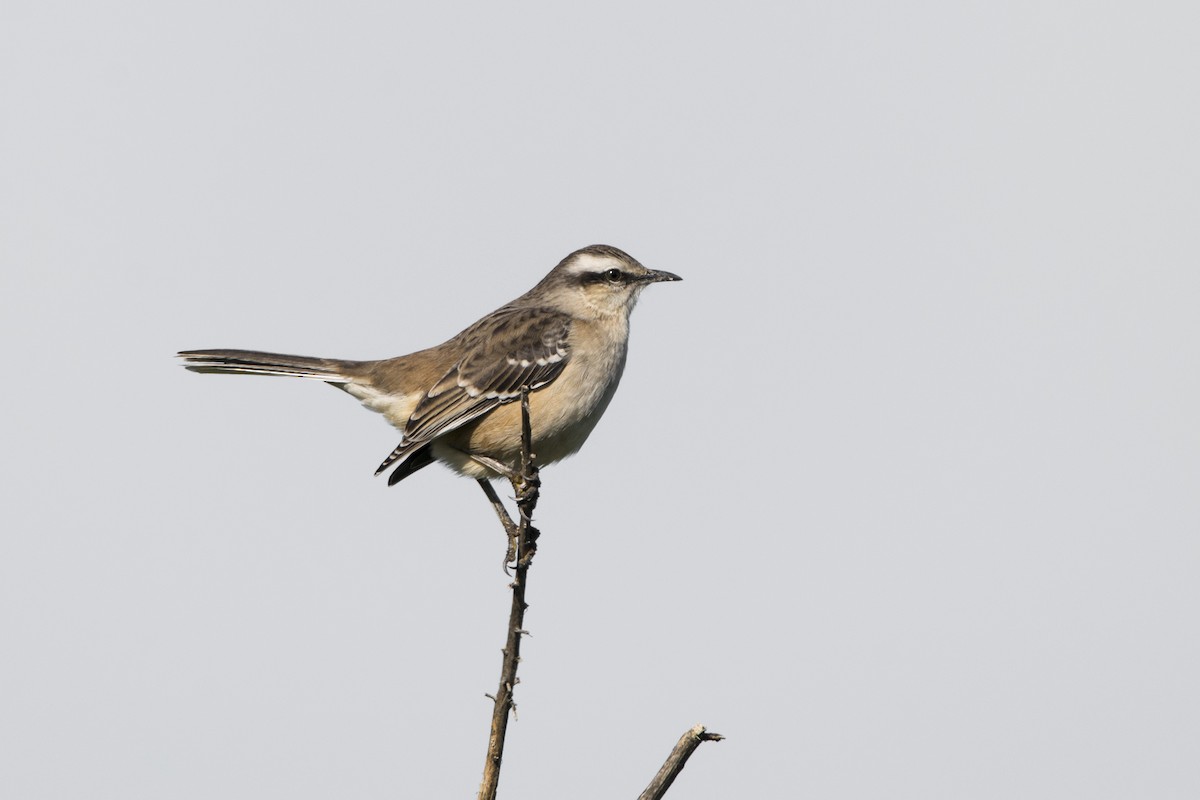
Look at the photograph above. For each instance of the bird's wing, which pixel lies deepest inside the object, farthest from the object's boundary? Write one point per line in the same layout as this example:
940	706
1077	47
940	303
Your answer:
502	353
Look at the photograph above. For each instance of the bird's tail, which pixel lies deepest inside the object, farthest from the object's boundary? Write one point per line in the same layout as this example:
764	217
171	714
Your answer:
252	362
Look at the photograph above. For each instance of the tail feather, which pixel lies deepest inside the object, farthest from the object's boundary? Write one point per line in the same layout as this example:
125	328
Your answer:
252	362
404	458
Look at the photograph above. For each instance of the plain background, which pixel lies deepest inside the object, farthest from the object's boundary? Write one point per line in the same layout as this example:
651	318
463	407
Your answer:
899	492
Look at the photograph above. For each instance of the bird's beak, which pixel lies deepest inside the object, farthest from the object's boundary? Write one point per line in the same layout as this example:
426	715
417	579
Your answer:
657	276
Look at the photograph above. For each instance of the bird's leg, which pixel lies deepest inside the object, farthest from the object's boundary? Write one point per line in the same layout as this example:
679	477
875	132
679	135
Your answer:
526	484
499	467
510	527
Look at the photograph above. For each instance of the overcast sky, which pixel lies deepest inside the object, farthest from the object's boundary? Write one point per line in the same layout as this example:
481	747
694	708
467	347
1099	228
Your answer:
899	492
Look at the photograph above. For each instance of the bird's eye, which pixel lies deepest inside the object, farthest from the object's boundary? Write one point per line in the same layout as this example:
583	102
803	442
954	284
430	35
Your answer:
614	276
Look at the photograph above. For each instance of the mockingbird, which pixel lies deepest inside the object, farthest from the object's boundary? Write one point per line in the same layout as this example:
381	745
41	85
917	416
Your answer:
565	340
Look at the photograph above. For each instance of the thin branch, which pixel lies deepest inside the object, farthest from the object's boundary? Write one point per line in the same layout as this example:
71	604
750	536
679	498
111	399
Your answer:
674	764
525	484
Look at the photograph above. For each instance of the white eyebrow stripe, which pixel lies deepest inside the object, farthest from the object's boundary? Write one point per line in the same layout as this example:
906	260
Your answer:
589	262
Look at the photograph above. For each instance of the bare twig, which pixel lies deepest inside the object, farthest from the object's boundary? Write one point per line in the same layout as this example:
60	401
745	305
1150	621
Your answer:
674	764
523	546
522	537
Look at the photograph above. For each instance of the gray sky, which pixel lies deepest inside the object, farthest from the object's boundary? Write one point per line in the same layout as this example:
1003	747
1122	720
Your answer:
899	492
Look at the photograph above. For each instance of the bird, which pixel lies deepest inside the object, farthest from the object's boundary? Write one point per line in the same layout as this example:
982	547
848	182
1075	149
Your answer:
564	342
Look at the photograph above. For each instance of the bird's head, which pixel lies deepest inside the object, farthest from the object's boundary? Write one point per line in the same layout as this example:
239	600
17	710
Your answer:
598	281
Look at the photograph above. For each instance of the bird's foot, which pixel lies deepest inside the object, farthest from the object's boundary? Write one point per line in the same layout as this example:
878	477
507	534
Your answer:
526	487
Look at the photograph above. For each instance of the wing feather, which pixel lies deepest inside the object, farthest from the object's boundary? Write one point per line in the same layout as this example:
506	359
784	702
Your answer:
503	352
508	350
